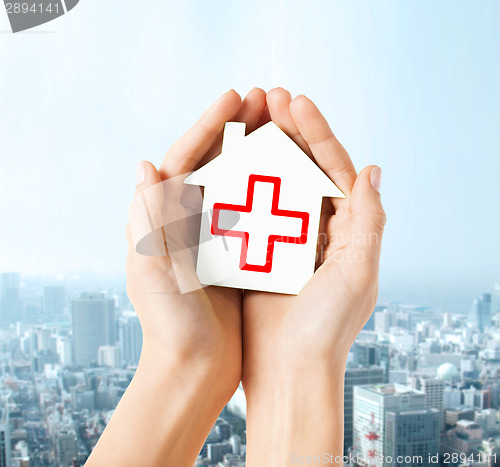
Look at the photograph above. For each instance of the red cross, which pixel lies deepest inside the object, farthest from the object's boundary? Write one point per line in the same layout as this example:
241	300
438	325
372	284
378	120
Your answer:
275	211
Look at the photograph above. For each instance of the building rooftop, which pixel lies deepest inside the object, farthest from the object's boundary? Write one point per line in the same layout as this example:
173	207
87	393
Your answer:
392	389
467	424
460	408
420	411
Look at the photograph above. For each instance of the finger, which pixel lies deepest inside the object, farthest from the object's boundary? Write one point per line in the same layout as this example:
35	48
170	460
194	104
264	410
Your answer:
278	102
145	233
327	151
250	112
184	155
264	118
367	215
251	109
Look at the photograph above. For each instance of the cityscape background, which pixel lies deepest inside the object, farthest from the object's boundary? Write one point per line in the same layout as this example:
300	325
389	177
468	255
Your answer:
410	86
419	381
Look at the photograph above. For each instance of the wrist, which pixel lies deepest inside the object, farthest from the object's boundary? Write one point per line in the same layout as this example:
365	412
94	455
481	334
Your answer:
302	411
201	378
295	382
290	366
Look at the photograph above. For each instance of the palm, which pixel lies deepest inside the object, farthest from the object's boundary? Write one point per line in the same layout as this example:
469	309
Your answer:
195	323
305	318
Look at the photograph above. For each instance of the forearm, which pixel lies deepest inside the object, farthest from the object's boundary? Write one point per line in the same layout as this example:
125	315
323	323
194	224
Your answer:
297	414
163	418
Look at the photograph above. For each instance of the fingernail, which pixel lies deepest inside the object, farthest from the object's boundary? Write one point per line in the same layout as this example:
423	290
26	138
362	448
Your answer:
376	178
141	172
224	95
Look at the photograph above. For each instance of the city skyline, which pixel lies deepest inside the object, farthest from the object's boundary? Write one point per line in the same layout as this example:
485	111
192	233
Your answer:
456	298
76	343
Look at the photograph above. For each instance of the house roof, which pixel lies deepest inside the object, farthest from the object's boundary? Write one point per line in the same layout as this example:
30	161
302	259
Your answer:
267	150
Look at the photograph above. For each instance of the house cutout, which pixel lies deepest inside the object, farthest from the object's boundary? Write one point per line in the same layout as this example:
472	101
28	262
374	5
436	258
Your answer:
263	197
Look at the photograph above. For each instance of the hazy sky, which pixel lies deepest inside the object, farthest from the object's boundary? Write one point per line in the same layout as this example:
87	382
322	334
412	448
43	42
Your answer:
410	86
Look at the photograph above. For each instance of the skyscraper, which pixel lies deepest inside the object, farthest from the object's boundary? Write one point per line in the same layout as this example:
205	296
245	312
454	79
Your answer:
370	406
130	333
434	390
109	355
412	434
93	326
64	350
384	319
355	377
371	353
10	305
480	314
65	447
5	460
44	339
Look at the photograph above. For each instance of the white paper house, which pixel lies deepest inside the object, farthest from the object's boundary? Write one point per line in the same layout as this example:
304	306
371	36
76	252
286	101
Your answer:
263	195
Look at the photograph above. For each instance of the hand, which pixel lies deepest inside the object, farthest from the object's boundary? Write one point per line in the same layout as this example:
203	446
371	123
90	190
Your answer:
203	326
295	347
190	362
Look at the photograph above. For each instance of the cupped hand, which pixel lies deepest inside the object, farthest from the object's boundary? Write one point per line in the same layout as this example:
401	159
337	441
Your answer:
201	328
315	329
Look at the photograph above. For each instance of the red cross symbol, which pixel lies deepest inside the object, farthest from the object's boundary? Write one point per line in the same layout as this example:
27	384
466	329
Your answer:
276	214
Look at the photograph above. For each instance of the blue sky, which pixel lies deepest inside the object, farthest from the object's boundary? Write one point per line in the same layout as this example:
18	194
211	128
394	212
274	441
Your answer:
410	86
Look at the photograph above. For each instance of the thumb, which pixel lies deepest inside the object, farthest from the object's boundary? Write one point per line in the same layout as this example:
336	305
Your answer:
147	175
144	232
368	216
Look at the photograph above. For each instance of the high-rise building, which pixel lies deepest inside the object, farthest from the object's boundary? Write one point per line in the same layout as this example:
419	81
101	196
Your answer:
487	420
399	376
465	438
10	304
64	350
44	339
370	405
452	397
130	333
480	314
469	367
447	320
370	324
223	429
495	299
5	457
355	377
93	326
434	389
54	301
106	397
384	320
109	355
216	451
479	398
235	441
65	447
369	353
365	353
460	412
82	398
412	434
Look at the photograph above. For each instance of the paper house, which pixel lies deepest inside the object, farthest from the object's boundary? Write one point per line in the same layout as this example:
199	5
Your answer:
263	197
